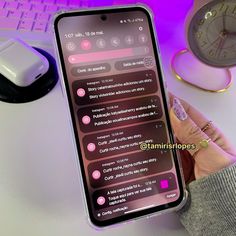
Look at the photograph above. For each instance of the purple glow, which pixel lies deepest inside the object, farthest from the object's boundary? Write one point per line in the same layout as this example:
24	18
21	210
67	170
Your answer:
165	12
172	9
169	10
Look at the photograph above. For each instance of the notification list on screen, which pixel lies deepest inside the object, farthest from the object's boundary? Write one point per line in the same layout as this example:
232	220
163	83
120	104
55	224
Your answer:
117	105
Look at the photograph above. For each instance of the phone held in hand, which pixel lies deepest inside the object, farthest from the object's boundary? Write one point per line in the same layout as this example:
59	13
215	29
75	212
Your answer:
117	103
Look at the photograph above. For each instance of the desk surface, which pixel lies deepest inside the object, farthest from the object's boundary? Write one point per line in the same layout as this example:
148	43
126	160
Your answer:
39	184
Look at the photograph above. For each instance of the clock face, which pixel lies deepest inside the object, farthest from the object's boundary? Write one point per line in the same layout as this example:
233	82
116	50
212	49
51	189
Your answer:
212	33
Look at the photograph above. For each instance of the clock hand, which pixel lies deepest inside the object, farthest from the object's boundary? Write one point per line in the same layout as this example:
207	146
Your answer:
219	37
224	23
221	45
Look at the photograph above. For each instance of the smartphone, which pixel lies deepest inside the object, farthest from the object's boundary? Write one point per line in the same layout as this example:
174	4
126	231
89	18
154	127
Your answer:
117	103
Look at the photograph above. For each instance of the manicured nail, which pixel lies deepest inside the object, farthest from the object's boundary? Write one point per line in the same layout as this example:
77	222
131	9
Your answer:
179	110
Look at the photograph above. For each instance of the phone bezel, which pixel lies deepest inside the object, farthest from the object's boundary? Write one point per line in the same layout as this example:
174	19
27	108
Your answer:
145	212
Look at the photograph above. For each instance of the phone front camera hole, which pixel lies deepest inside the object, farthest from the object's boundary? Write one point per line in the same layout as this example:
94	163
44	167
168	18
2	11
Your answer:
103	17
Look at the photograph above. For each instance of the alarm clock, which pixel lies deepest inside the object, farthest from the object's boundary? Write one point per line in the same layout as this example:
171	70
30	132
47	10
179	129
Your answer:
211	32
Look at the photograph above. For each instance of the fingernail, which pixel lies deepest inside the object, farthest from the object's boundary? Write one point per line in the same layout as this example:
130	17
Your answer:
179	110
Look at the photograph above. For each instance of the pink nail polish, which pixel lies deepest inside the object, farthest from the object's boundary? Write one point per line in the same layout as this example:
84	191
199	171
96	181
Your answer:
179	110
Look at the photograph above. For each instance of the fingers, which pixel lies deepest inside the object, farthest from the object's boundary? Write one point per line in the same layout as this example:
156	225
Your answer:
209	158
219	138
184	127
212	131
195	115
188	132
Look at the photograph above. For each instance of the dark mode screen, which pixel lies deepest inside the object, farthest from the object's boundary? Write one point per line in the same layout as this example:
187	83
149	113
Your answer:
117	105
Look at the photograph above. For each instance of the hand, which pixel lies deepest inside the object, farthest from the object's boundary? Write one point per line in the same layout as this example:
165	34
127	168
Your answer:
221	45
187	123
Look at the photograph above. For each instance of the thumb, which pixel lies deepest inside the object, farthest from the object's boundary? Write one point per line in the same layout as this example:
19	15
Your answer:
185	129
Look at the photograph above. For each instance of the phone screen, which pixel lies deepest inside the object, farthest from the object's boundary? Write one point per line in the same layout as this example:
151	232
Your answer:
117	103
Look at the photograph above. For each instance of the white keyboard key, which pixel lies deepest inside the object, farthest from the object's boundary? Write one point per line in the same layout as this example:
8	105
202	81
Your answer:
3	13
24	6
11	5
61	2
35	1
29	15
73	3
85	3
49	2
51	8
37	8
14	14
123	2
63	8
40	26
9	24
43	16
2	4
23	1
49	29
25	25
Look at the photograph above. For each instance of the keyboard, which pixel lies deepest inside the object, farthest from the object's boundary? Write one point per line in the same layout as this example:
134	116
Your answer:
30	20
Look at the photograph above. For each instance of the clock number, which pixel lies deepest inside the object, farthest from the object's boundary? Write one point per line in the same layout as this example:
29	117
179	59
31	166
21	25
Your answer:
201	22
199	34
211	53
227	8
222	6
203	44
225	54
234	10
210	13
214	13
